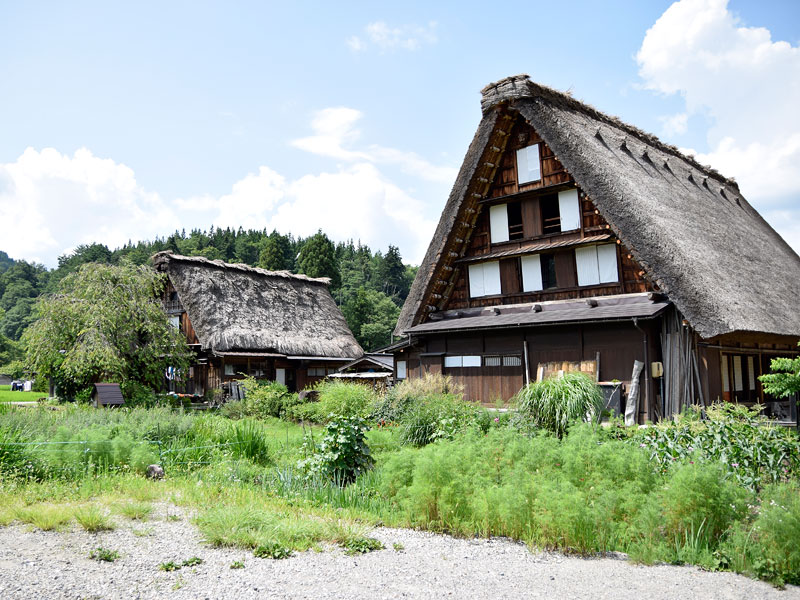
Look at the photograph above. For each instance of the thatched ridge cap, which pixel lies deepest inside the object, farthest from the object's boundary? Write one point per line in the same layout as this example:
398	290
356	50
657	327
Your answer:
161	259
518	87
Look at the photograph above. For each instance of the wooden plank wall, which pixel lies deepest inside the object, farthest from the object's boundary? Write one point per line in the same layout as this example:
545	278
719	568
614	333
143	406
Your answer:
619	344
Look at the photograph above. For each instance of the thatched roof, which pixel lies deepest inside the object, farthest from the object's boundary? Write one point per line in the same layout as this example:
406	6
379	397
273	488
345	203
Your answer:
688	226
238	307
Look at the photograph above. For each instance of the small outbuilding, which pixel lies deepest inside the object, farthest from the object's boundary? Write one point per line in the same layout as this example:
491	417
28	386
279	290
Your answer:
107	394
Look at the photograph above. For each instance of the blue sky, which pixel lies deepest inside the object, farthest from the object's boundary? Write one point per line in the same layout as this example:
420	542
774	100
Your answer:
128	121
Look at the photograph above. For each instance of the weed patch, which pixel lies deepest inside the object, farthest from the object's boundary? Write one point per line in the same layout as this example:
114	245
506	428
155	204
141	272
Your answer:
361	545
104	555
272	550
93	519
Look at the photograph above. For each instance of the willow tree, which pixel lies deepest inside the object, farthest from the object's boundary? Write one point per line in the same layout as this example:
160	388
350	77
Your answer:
105	323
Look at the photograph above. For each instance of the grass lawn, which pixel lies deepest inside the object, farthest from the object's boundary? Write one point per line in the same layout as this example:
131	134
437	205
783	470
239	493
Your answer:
6	395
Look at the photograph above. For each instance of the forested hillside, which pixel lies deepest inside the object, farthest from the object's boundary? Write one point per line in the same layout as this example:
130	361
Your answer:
368	286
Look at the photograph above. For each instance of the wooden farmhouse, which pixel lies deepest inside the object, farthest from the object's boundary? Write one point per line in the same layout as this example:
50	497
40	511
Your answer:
241	320
573	241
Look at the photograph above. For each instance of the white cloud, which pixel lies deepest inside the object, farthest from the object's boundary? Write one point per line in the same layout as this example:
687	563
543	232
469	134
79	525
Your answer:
386	37
675	124
747	85
51	202
333	127
334	130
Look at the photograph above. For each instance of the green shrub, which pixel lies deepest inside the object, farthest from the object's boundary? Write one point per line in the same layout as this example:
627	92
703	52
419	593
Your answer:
272	550
343	454
136	394
435	417
555	402
700	500
575	495
767	547
265	398
397	401
361	545
336	398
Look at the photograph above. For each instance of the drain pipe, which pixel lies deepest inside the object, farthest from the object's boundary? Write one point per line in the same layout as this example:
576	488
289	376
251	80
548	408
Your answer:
646	364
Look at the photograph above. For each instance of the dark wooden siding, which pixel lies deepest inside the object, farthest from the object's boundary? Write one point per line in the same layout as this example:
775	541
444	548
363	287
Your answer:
618	345
510	278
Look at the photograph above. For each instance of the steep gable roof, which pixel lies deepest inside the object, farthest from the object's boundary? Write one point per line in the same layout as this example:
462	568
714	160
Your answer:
715	257
238	307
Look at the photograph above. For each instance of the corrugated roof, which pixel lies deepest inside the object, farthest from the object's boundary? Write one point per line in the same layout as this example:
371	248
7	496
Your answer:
573	311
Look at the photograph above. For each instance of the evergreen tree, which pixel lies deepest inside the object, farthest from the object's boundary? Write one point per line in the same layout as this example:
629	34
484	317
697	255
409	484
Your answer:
276	253
393	275
318	259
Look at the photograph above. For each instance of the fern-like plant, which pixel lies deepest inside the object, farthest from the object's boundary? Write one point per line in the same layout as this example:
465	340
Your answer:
556	401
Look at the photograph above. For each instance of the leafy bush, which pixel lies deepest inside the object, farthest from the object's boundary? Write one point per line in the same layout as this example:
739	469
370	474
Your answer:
343	454
555	402
265	398
700	500
392	407
336	398
137	394
752	448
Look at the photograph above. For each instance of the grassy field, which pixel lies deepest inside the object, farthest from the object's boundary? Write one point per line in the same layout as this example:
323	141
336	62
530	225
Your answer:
6	395
243	481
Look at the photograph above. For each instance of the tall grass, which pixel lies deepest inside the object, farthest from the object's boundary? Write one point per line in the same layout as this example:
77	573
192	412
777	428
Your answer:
555	402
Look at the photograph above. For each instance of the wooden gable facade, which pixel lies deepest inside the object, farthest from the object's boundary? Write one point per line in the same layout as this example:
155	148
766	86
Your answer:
534	227
534	270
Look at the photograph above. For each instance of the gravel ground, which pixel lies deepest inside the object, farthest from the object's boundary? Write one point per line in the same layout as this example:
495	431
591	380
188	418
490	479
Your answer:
37	564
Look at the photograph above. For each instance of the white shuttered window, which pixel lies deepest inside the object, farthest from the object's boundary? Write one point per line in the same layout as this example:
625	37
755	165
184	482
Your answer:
401	369
569	209
498	223
484	279
528	167
586	262
531	273
596	264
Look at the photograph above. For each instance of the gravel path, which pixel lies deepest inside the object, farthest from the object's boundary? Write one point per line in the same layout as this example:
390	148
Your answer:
37	564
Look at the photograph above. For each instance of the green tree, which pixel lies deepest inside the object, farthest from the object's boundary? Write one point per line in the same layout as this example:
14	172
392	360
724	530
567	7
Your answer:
784	379
20	284
371	316
105	323
393	275
246	249
276	254
5	262
318	259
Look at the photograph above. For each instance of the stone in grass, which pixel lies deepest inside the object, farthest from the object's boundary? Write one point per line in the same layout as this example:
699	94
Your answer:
155	472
